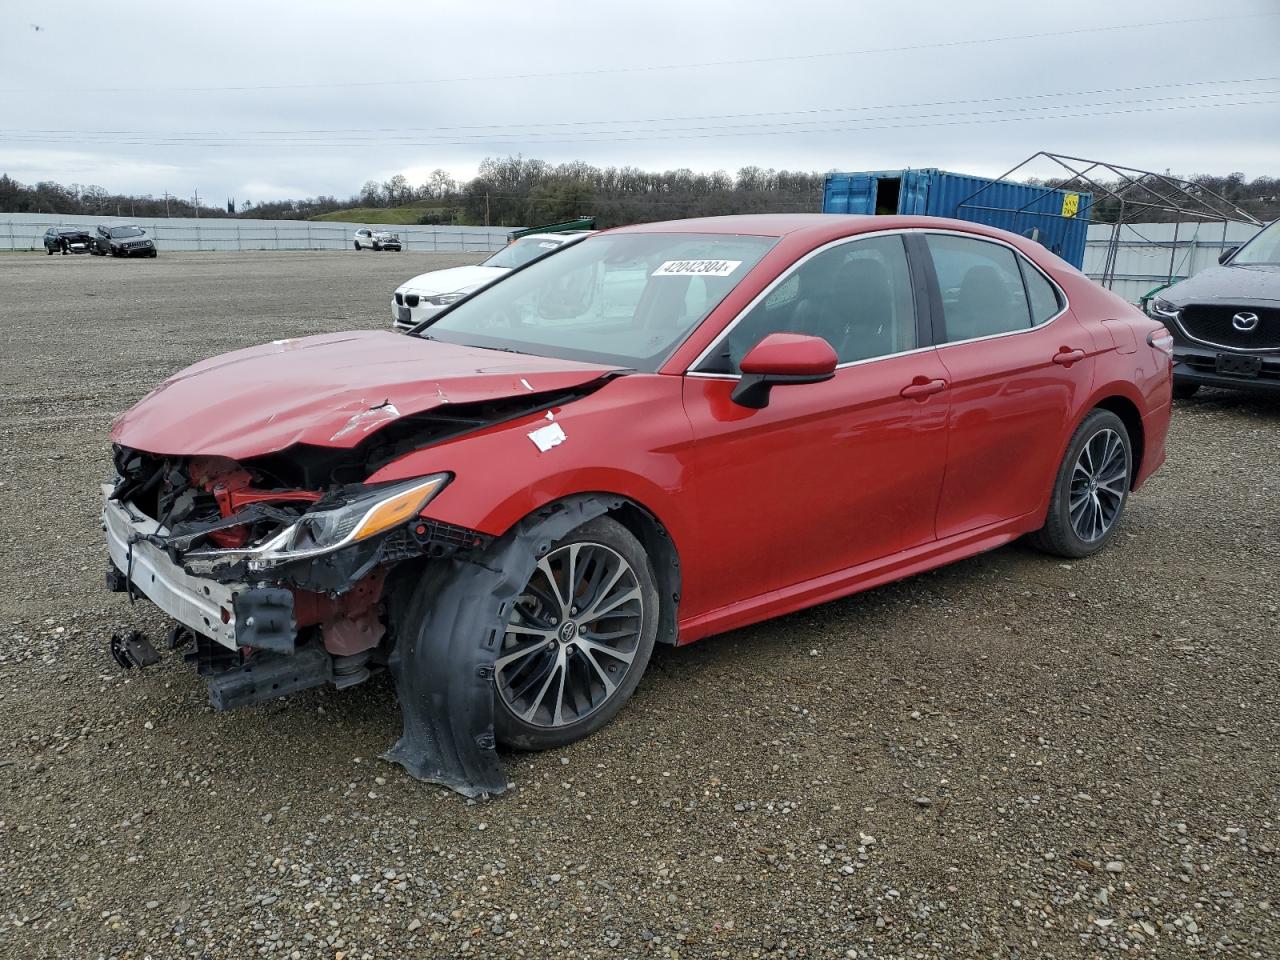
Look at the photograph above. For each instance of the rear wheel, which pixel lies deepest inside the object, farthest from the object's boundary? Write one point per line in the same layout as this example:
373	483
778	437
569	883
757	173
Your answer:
357	245
1184	390
578	640
1091	489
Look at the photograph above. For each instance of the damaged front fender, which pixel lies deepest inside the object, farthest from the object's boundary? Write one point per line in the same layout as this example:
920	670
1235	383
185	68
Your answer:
451	628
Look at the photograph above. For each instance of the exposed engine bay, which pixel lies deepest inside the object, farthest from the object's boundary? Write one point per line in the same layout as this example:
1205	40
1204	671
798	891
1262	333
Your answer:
284	566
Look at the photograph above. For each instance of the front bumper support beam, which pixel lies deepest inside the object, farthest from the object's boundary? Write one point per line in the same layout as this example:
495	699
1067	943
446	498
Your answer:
267	676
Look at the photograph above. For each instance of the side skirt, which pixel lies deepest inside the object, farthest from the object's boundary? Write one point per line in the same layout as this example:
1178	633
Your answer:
864	576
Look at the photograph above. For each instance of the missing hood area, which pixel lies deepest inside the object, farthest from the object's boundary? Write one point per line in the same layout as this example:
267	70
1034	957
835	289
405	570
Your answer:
187	533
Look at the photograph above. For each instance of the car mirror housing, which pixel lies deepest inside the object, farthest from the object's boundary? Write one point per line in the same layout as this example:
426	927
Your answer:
782	358
1227	254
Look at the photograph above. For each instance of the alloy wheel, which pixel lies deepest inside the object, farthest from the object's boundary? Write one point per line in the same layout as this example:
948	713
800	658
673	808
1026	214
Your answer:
572	635
1099	481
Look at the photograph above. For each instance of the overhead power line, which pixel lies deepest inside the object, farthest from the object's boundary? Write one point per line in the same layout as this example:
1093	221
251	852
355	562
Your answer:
516	126
613	137
653	68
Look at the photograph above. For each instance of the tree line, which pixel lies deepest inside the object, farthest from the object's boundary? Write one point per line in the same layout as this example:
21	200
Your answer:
521	191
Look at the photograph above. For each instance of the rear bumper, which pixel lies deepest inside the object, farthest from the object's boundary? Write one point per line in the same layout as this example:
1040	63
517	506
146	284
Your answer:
1155	428
205	606
1196	365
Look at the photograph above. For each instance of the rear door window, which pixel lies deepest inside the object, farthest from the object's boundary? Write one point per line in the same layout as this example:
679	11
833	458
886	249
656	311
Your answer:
981	286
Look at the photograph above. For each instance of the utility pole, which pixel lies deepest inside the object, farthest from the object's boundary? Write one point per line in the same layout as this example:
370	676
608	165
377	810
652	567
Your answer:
197	195
166	203
486	208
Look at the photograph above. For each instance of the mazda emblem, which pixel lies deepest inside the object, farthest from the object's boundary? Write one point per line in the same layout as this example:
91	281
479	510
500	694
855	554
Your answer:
1245	322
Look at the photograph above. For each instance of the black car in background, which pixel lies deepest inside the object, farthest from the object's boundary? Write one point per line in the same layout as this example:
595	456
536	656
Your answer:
1225	321
66	240
123	242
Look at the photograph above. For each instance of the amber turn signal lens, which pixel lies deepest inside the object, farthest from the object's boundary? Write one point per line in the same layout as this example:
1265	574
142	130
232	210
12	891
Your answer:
397	509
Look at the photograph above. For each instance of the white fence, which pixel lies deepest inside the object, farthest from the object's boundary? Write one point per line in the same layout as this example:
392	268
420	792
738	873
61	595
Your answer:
25	231
1148	253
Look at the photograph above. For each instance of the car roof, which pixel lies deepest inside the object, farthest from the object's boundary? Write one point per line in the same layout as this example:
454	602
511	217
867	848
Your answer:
815	227
561	235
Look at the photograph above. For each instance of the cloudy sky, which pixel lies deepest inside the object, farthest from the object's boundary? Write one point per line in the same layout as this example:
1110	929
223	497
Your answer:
273	98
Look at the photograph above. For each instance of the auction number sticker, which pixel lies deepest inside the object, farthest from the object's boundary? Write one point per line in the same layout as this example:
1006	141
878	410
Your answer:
697	268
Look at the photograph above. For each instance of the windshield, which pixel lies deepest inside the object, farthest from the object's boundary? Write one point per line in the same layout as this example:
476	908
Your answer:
125	232
626	299
521	251
1263	248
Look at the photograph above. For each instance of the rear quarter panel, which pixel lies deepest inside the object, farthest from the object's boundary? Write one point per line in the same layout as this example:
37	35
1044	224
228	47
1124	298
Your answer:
1131	368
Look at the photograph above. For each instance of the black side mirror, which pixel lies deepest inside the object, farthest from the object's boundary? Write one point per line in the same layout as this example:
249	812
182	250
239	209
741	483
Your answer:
1227	254
782	358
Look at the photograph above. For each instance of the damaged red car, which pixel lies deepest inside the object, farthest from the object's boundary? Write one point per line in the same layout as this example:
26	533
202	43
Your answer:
665	432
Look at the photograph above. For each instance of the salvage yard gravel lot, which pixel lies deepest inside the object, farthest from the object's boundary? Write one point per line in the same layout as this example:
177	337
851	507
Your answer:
1010	757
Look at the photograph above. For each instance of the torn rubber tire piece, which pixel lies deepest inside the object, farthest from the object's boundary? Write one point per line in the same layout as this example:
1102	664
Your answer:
443	661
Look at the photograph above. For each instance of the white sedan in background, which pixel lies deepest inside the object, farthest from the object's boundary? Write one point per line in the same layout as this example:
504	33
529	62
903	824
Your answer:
427	294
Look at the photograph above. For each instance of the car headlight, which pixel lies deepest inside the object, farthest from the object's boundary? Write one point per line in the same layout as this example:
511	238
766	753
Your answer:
323	531
443	299
1162	309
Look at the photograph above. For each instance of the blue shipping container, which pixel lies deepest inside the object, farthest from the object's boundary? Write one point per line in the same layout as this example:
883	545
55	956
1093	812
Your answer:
1059	219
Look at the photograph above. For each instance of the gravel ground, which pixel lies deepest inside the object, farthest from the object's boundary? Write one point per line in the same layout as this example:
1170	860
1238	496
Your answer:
1011	757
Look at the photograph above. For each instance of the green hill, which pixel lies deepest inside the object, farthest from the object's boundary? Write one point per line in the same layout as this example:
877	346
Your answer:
410	213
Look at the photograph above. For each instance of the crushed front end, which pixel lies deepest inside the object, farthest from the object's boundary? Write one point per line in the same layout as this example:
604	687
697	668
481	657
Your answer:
281	582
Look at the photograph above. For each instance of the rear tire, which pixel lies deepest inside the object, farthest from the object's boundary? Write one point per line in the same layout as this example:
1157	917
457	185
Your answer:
566	673
357	245
1184	390
1091	489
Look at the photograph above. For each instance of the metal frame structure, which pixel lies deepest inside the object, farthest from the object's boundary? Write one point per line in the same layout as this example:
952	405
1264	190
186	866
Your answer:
1136	191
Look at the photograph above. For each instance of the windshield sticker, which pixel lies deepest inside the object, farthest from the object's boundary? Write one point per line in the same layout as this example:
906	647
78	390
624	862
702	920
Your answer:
544	438
548	245
697	268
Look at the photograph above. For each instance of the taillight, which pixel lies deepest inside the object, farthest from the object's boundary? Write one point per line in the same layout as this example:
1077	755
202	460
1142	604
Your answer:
1160	339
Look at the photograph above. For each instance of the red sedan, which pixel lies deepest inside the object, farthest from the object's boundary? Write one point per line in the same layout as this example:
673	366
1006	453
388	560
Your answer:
667	431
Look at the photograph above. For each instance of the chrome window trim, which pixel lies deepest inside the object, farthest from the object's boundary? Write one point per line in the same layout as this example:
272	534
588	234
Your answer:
693	371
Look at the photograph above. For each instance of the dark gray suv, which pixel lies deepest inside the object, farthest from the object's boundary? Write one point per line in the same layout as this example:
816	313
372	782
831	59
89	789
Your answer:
1225	321
123	242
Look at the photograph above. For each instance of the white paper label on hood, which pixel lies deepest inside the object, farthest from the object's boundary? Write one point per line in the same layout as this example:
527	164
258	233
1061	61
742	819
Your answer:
697	268
544	438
